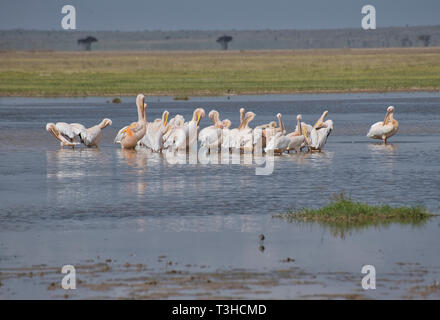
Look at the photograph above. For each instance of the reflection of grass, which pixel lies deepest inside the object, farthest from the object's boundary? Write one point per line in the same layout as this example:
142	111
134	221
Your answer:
343	214
198	73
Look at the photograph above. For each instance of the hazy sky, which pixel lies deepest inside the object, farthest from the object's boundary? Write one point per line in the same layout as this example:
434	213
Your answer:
131	15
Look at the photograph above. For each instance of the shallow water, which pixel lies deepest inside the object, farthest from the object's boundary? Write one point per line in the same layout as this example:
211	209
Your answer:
62	206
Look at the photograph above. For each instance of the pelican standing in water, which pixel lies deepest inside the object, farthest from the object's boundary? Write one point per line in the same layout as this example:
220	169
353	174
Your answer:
211	137
92	136
386	128
231	134
129	136
182	137
320	132
298	138
64	132
243	138
155	131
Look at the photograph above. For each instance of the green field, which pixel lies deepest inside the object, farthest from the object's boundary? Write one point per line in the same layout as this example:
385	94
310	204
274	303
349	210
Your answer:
196	73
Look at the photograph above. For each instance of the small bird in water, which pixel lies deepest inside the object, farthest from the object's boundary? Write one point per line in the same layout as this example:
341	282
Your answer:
261	237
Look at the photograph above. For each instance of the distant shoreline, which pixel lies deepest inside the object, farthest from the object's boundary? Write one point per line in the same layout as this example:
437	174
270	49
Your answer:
185	74
224	95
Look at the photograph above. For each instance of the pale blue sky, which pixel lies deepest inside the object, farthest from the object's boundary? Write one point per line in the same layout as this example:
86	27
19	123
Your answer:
132	15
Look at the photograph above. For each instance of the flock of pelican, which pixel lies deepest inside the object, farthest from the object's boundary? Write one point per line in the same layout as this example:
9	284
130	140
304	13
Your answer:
177	135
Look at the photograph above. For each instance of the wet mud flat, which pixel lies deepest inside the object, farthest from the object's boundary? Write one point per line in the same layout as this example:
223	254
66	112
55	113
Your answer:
115	280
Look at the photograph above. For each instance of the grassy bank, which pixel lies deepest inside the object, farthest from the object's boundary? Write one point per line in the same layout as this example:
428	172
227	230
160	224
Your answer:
343	214
216	73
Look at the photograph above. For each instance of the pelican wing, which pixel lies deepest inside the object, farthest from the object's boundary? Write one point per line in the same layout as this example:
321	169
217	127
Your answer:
279	142
319	137
378	130
66	130
295	142
121	134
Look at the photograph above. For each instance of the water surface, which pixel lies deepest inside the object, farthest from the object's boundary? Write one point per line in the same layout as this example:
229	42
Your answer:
63	206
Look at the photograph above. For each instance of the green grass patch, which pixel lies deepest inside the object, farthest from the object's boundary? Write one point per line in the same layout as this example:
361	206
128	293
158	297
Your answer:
343	214
211	73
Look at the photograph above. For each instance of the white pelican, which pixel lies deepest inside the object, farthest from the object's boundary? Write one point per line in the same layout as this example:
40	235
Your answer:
129	136
243	137
230	134
155	131
268	132
281	142
298	138
64	132
320	132
93	135
180	138
278	143
172	134
211	137
386	128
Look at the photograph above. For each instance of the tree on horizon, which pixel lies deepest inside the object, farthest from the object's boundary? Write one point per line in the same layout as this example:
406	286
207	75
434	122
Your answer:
86	43
224	41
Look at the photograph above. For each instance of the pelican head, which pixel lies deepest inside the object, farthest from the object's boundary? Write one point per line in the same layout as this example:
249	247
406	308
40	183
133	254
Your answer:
198	114
273	124
50	126
278	116
249	116
226	123
105	123
320	123
390	111
214	116
299	117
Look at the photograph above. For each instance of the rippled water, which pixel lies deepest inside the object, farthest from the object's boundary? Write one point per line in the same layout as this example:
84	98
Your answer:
46	192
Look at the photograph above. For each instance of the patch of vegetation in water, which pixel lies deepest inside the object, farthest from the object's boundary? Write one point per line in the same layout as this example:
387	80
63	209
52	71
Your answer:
184	98
344	214
116	100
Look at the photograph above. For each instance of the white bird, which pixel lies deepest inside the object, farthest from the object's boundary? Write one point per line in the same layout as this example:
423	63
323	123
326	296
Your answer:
129	136
298	138
386	128
172	133
92	136
64	132
320	132
155	131
210	137
243	138
278	143
263	133
277	140
230	134
185	135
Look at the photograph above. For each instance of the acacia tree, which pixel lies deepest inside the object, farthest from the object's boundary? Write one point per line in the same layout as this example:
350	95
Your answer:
86	43
425	38
224	41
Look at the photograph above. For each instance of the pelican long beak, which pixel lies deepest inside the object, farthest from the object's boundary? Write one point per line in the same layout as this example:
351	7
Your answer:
387	115
166	119
304	133
198	118
320	122
55	133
